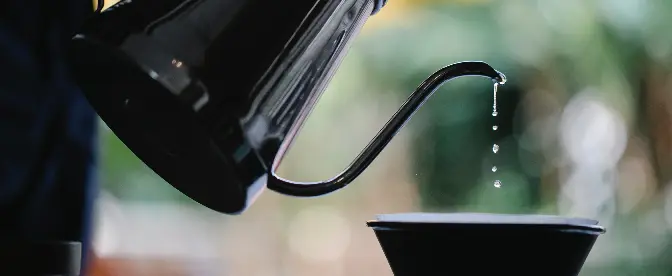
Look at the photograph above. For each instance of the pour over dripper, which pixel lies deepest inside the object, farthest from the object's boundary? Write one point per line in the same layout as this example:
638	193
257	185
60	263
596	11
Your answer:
485	244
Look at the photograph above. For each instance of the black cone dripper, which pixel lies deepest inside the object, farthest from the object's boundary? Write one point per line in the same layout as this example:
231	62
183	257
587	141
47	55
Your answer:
485	244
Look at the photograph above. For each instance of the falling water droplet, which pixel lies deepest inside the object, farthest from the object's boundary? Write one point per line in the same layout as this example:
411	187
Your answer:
495	147
494	99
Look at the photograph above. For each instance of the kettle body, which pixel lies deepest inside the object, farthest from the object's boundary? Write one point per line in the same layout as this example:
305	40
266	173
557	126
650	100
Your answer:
210	93
205	91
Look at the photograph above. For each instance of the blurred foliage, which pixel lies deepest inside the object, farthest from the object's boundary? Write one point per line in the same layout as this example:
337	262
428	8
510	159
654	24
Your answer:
456	137
564	47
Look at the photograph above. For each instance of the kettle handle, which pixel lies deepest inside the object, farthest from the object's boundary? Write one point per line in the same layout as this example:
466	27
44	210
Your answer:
100	5
385	135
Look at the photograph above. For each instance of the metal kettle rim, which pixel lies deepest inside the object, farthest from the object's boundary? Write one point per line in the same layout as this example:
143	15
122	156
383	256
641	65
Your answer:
378	5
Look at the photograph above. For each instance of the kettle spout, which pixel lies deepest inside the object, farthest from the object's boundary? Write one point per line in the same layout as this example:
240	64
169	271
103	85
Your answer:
385	135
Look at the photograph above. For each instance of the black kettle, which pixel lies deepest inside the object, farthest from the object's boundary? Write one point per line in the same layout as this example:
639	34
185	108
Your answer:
210	93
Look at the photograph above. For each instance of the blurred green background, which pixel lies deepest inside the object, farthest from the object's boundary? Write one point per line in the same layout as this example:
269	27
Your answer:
585	129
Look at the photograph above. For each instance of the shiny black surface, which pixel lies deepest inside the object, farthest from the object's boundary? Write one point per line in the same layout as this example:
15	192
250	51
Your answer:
211	93
486	248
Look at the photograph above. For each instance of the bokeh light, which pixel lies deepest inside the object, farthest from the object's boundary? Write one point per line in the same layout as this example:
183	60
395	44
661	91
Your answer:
584	129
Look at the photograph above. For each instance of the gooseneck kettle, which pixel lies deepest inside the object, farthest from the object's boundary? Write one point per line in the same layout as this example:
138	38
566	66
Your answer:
210	93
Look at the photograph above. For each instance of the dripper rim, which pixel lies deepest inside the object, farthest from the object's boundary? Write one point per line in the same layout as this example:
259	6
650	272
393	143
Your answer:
442	220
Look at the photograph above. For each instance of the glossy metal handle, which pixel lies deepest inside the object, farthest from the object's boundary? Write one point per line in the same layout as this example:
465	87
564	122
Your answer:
385	135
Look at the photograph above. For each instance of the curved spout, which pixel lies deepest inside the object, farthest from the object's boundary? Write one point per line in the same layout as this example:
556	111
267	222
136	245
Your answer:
385	135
